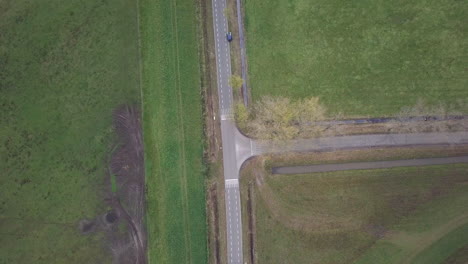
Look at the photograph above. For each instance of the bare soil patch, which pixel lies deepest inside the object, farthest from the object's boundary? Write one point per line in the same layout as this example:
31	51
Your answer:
127	164
123	226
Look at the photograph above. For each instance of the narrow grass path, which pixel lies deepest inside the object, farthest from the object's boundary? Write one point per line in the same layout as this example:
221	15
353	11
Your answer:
180	119
173	132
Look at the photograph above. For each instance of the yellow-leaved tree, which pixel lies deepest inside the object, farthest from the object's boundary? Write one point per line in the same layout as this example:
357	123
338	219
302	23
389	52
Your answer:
278	118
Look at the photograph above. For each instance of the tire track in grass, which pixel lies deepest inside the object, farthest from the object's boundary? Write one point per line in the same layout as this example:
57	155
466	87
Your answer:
180	120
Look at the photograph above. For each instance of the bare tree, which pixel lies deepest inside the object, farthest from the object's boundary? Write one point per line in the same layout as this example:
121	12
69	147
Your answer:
278	118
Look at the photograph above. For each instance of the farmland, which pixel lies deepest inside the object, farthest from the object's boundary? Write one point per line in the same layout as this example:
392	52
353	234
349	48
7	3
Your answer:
371	216
361	58
173	132
64	66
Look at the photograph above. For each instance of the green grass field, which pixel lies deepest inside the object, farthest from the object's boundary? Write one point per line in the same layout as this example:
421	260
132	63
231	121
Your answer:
64	66
173	132
417	215
362	58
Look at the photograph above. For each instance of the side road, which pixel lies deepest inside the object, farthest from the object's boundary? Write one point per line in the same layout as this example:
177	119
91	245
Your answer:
360	141
368	165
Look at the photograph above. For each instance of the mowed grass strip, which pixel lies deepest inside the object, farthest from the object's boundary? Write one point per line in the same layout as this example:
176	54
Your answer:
360	57
64	67
444	247
173	132
371	216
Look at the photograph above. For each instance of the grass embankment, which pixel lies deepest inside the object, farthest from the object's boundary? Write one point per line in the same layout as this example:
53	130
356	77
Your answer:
173	133
347	53
64	66
372	216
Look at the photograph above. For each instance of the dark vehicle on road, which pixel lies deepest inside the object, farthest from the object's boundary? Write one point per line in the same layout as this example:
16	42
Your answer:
229	36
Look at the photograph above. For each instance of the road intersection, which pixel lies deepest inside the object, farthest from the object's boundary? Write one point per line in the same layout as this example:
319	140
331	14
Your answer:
237	148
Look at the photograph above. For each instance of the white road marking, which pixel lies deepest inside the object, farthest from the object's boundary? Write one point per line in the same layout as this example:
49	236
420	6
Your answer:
251	148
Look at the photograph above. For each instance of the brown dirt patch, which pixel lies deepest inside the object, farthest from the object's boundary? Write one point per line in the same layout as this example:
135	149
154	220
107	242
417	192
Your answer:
123	225
127	164
87	226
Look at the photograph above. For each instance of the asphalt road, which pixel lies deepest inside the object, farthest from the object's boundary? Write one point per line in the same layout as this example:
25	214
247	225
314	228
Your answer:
362	141
368	165
228	134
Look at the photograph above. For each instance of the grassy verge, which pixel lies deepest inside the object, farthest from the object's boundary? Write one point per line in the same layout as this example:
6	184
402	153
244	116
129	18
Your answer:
345	53
372	216
173	133
64	66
